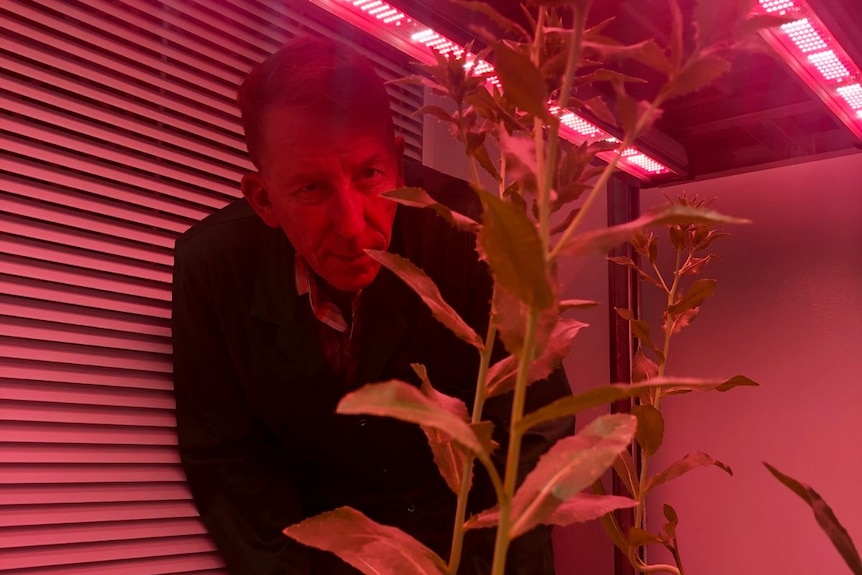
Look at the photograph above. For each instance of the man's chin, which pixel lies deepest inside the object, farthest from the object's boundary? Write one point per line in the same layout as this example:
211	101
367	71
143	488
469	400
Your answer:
355	277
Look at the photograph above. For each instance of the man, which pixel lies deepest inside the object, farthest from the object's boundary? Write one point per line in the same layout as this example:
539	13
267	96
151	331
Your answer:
278	312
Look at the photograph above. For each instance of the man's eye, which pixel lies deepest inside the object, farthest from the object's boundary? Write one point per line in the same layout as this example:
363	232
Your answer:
369	173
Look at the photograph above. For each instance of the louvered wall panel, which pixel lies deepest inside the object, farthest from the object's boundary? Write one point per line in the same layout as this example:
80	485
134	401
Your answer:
118	130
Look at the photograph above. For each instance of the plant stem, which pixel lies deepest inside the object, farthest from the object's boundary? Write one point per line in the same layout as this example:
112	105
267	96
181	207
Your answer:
467	473
605	176
513	456
562	101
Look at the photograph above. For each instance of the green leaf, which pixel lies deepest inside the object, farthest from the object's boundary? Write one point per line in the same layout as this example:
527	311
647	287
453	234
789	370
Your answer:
640	328
641	537
426	289
643	368
647	52
522	82
570	465
501	21
436	111
628	262
602	240
650	432
520	153
580	508
450	459
568	406
511	244
672	521
484	431
370	547
503	374
684	465
759	22
624	466
480	152
598	107
825	518
403	401
419	198
567	304
697	74
609	523
694	297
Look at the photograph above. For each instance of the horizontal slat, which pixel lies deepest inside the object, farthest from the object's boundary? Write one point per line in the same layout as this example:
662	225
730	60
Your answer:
22	537
114	286
137	169
49	392
208	563
88	553
122	61
23	432
22	349
92	88
151	17
65	453
86	414
58	473
121	492
47	291
86	375
142	224
40	371
119	232
152	36
185	16
97	126
68	170
56	312
92	241
48	331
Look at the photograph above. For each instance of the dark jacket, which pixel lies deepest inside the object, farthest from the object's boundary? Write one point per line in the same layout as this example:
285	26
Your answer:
259	440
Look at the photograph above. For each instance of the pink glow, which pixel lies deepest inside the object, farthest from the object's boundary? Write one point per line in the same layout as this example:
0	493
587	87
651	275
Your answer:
852	95
817	58
804	35
415	38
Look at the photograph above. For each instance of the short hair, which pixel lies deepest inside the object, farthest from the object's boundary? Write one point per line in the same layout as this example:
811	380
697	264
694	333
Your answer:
316	75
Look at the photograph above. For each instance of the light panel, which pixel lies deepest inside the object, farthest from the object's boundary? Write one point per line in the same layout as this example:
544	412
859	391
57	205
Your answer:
816	56
400	30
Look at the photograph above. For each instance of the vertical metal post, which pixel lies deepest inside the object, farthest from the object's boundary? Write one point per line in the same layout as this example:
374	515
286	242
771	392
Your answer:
623	195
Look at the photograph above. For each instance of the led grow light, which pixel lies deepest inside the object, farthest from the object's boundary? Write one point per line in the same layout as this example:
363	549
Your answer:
818	59
413	38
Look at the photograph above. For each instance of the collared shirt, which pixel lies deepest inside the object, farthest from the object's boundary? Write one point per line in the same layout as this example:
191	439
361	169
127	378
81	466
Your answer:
335	333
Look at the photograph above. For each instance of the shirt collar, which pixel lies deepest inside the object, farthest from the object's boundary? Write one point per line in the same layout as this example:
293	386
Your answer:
322	306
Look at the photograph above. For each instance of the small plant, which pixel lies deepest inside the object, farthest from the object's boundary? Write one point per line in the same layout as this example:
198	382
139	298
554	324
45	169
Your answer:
543	69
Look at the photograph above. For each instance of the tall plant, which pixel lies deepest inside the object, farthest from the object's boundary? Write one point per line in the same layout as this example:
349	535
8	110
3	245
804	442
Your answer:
541	69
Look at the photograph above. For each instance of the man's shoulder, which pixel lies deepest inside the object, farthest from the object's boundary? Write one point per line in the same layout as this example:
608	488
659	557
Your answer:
229	224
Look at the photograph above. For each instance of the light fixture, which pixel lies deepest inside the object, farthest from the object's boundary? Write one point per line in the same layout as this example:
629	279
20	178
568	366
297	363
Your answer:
817	58
400	30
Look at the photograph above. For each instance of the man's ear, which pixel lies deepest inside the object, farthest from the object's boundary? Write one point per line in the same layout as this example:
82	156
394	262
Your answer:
256	191
399	157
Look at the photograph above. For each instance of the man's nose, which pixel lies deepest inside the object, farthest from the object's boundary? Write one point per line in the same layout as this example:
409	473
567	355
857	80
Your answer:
348	213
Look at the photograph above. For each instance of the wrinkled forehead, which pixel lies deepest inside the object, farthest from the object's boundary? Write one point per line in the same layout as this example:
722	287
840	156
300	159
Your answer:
293	131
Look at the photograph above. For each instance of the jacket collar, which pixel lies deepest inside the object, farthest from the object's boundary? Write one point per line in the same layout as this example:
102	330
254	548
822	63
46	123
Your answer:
275	301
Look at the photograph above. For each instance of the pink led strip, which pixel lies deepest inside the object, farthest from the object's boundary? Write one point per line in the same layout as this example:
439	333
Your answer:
818	59
413	38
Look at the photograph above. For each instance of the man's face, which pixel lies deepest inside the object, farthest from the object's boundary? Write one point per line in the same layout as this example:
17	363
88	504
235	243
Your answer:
321	184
